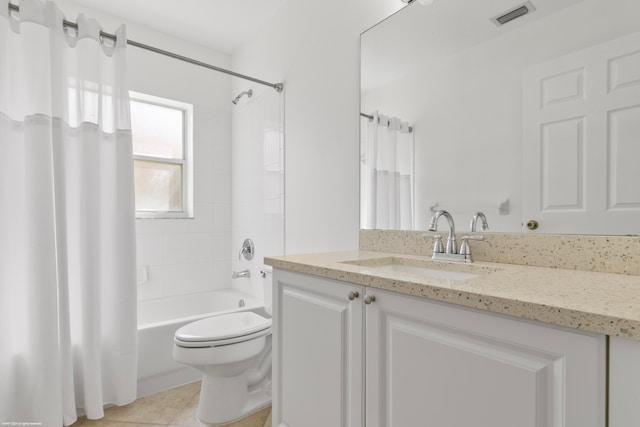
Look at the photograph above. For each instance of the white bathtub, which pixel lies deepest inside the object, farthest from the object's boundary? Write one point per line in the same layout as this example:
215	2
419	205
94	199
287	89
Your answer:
158	321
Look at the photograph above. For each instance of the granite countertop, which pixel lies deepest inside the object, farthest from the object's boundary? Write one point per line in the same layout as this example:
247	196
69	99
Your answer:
604	303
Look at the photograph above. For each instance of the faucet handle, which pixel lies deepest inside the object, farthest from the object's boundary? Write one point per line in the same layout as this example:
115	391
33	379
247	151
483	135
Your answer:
438	247
465	249
465	238
247	250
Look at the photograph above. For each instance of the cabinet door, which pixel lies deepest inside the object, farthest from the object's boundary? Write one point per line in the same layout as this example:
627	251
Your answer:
436	365
318	341
624	382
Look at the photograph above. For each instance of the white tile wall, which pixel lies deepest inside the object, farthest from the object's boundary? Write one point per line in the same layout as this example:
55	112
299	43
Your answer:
197	255
258	183
192	255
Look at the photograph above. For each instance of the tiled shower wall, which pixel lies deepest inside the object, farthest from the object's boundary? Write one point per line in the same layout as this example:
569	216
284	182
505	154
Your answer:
192	255
258	181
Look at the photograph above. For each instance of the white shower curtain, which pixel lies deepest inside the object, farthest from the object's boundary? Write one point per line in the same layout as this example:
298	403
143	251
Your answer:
386	151
67	223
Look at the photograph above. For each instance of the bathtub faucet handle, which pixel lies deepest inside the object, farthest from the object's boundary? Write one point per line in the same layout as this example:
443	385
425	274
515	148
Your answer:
248	249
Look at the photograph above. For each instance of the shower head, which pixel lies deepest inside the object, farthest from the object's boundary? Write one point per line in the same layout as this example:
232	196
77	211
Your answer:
249	93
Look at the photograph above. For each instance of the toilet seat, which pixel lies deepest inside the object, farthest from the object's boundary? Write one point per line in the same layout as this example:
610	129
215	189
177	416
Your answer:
223	330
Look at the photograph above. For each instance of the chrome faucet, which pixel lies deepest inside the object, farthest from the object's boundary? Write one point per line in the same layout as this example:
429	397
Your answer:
451	247
243	273
450	253
474	222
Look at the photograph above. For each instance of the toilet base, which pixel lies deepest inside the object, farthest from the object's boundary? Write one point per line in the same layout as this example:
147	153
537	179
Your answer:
227	399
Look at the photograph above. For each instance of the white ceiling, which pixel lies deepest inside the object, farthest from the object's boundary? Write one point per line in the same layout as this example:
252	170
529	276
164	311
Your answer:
222	25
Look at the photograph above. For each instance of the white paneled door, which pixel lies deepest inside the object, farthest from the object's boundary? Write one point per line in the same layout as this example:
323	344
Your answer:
582	140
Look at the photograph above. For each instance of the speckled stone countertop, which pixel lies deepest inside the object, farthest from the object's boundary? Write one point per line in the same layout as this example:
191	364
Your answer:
604	303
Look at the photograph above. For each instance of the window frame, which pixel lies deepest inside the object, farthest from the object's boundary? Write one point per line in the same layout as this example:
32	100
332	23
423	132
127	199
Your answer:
187	156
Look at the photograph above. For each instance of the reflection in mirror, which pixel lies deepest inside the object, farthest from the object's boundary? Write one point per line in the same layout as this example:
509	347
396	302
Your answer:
386	173
536	120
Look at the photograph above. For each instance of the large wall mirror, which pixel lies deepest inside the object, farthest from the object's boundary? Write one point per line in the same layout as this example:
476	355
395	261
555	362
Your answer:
525	111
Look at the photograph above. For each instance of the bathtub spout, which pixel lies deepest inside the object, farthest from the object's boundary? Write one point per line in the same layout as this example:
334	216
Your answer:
243	273
256	376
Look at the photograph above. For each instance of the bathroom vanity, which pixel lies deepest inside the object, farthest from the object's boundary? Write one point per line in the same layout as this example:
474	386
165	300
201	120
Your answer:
369	338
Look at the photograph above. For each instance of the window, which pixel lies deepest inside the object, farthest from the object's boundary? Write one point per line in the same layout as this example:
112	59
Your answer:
161	151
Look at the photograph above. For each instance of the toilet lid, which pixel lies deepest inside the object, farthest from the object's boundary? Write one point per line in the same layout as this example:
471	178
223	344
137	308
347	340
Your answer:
223	327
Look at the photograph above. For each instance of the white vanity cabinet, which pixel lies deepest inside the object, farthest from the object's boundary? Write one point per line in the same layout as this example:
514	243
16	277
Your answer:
424	363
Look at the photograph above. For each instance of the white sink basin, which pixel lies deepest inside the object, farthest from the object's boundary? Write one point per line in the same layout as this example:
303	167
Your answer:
422	267
423	271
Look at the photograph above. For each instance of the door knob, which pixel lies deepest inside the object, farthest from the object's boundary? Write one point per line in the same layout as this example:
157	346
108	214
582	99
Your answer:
368	299
353	295
532	224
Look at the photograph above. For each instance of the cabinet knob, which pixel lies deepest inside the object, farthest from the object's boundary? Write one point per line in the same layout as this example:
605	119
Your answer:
368	299
353	295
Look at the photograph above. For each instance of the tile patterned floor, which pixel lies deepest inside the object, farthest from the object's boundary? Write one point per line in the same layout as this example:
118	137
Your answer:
174	408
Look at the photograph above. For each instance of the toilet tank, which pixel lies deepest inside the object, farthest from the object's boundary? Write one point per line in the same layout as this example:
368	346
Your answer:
267	285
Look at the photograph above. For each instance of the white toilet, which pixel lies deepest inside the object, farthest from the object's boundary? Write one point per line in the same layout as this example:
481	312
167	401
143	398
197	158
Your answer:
233	352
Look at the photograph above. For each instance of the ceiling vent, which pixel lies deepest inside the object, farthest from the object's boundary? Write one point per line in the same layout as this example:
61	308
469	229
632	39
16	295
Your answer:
514	13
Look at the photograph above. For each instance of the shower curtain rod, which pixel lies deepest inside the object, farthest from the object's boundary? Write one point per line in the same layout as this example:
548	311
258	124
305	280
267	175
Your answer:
277	86
370	118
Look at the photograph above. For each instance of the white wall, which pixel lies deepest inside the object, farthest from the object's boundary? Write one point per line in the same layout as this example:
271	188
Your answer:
184	255
314	47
